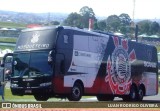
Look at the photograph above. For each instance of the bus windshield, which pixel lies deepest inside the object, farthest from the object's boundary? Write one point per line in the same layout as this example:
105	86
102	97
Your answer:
36	39
31	64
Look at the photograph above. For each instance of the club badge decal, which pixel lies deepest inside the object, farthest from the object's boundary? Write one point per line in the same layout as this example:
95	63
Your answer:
35	37
119	67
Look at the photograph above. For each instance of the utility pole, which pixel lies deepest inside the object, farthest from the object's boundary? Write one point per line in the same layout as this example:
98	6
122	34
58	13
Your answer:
133	9
48	19
134	25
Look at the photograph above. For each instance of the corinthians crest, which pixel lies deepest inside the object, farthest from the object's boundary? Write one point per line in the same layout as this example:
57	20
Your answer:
35	37
119	67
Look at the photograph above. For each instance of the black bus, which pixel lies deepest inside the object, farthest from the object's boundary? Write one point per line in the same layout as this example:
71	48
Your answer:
71	62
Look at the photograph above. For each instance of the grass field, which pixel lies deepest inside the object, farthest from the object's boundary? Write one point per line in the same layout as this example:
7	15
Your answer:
10	97
6	47
8	39
12	25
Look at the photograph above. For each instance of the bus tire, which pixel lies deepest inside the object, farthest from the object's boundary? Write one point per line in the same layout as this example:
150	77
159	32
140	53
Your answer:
140	94
133	93
76	92
41	97
103	97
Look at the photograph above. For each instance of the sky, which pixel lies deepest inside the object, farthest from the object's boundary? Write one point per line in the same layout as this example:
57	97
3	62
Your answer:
143	9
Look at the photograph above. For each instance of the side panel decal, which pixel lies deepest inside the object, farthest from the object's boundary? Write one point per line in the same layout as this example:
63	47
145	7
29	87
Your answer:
88	52
119	67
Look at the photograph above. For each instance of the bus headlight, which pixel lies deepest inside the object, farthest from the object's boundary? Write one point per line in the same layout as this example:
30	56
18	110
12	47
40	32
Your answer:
15	63
14	85
46	84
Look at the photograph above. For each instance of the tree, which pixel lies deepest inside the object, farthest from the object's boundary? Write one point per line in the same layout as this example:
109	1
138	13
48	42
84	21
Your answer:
101	25
125	23
87	11
113	23
54	23
74	20
124	29
144	26
125	19
154	27
86	14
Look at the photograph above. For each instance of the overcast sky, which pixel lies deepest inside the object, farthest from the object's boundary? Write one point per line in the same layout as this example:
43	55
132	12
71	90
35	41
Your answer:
144	9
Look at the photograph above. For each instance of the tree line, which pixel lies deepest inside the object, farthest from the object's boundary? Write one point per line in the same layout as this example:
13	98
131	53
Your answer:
114	23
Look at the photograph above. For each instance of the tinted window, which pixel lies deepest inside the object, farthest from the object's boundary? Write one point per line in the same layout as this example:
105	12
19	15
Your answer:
39	62
21	62
36	39
31	63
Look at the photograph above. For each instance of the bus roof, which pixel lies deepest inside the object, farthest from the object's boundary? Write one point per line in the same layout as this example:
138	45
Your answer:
96	32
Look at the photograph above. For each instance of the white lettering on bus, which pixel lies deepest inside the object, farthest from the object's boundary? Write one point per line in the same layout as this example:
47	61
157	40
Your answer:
34	46
150	64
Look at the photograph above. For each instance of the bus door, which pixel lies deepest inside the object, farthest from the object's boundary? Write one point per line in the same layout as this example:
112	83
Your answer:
59	72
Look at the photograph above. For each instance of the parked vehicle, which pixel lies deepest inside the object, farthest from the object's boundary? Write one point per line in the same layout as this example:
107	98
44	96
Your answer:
71	62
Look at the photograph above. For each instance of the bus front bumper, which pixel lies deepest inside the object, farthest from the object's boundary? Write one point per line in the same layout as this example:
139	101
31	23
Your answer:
31	90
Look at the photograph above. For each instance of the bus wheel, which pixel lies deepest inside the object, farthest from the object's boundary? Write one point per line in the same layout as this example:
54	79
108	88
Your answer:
41	97
76	93
133	94
103	97
140	94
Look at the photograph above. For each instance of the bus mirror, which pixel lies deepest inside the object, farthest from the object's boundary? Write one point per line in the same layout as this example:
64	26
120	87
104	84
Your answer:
15	63
50	57
2	63
4	58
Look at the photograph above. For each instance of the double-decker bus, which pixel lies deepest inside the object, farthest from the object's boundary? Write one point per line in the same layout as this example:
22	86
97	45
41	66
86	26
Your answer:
70	62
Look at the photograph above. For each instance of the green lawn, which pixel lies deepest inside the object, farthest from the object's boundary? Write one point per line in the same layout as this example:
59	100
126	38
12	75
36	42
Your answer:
12	25
6	47
10	97
8	39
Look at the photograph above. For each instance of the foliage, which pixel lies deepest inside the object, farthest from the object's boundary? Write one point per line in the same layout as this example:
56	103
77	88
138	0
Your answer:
73	19
80	20
125	19
87	11
116	23
144	26
154	28
125	23
86	14
148	27
101	25
55	23
113	23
